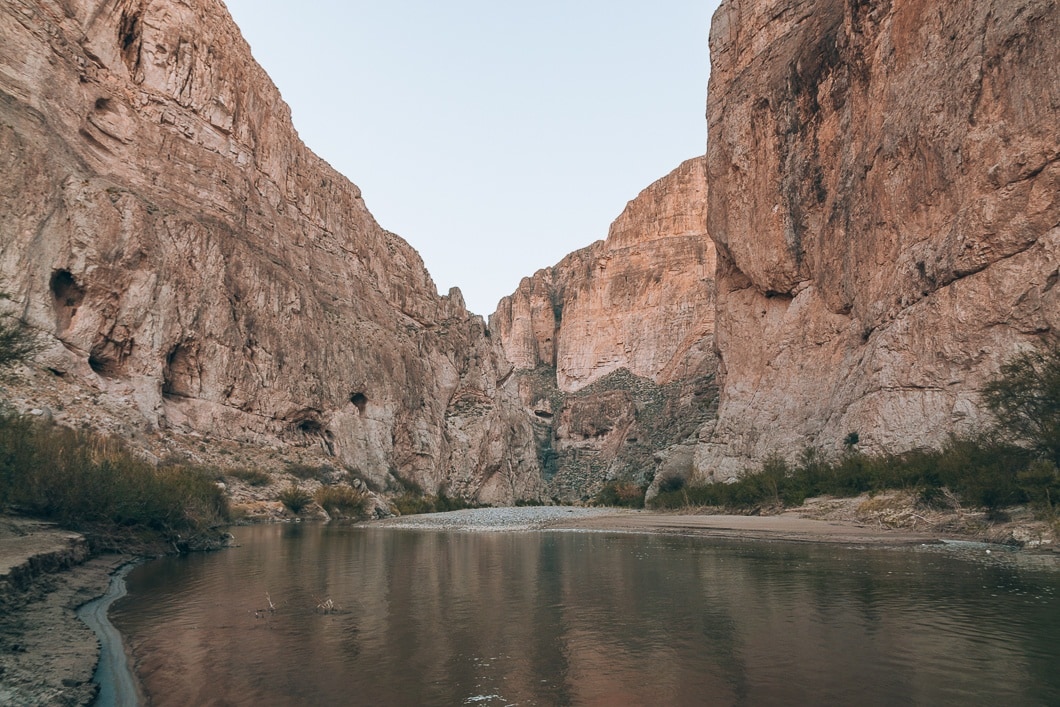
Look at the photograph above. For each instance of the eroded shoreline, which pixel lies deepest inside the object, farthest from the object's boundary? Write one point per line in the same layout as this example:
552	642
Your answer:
117	683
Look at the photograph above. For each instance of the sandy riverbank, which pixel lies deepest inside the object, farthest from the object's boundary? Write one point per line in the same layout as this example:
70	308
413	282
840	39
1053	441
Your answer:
47	654
885	519
779	527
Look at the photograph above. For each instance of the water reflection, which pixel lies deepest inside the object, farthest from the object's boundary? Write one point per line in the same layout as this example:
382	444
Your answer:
438	618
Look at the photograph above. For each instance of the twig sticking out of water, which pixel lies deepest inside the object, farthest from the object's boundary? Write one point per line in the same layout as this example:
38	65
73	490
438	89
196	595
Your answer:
267	611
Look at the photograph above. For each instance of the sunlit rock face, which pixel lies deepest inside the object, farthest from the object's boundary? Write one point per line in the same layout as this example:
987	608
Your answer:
883	195
613	346
195	265
642	300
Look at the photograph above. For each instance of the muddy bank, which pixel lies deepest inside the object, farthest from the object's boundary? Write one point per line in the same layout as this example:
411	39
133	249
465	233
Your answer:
47	655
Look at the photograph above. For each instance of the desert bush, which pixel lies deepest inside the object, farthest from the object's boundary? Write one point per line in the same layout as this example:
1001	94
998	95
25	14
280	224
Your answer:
620	493
444	502
250	477
980	472
341	501
1040	482
295	498
408	504
95	484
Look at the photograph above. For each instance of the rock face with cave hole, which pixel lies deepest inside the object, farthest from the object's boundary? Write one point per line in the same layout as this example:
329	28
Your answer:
67	296
885	197
202	272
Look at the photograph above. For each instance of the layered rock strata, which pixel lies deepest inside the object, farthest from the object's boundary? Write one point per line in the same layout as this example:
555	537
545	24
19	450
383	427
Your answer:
613	346
196	269
884	184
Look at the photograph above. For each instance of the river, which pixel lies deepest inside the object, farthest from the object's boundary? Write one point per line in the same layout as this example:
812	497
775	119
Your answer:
348	615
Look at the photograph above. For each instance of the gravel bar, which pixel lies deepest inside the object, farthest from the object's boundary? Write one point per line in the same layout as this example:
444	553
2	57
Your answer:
489	519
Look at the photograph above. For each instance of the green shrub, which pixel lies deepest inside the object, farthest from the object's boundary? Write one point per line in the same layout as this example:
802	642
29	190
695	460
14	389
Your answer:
1040	482
94	484
981	472
250	477
408	504
341	501
443	502
620	493
294	498
412	501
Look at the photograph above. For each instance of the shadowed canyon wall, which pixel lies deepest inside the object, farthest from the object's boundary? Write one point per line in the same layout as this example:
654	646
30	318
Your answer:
196	270
884	198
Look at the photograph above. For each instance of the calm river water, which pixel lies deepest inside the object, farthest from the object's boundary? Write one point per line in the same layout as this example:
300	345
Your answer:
564	618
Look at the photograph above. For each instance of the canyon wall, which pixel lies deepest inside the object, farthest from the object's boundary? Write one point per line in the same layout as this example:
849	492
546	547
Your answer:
613	346
884	198
196	271
643	299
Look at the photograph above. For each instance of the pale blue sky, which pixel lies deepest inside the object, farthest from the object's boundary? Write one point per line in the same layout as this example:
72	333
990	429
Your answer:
495	137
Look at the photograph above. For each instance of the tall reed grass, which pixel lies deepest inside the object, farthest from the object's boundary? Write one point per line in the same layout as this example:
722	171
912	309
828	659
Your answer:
93	483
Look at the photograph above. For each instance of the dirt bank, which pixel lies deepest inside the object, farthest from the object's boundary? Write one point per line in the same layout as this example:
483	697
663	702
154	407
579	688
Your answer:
47	655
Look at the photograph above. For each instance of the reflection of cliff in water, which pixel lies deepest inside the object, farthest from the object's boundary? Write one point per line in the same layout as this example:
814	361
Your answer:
581	618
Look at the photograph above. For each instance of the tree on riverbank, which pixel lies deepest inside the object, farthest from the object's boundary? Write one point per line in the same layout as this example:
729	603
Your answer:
1025	400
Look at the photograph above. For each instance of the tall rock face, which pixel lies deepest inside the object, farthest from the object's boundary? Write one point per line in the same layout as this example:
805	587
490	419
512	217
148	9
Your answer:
613	346
642	300
885	200
196	269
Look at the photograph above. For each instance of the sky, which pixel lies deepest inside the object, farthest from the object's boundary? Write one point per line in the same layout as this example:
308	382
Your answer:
494	136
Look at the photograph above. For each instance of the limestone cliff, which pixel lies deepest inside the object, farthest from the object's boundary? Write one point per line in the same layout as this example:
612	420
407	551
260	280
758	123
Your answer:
642	300
197	270
613	346
884	184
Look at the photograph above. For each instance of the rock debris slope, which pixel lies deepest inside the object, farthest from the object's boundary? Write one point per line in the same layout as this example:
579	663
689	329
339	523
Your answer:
197	270
884	187
613	346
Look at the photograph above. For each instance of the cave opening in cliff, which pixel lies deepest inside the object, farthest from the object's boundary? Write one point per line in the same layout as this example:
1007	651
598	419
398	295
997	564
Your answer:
67	296
360	401
129	38
310	427
307	422
180	377
103	363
